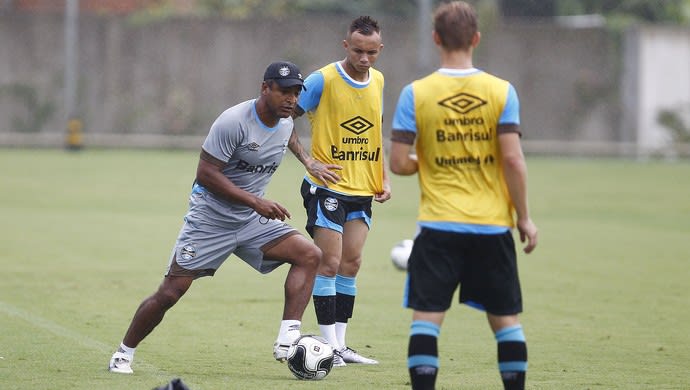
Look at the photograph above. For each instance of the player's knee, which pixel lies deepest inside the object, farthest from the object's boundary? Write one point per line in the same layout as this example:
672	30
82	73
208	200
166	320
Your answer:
350	266
329	266
312	256
168	297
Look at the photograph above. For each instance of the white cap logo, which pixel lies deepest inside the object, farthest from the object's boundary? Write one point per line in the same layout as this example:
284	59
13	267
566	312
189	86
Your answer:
284	71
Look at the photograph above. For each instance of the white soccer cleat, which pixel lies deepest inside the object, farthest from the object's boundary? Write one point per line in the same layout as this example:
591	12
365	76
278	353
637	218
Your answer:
338	359
349	355
284	341
280	351
121	363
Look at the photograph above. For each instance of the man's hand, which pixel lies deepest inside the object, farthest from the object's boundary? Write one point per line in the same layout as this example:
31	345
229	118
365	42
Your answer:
271	210
323	172
385	194
528	231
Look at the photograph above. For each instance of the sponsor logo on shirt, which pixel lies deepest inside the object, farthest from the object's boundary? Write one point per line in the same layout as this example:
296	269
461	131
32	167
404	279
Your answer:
355	155
462	103
453	161
357	125
452	136
247	167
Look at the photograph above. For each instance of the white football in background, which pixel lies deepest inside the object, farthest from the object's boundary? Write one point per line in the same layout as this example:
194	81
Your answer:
400	253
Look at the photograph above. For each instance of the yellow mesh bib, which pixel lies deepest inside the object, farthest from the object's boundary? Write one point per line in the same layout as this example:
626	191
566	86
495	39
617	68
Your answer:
460	170
347	130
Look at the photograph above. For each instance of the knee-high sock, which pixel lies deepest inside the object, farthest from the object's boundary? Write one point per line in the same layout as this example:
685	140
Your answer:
422	354
345	292
512	357
324	306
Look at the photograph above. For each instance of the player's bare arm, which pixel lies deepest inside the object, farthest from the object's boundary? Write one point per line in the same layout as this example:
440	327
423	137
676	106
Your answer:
387	191
324	172
515	173
209	174
402	159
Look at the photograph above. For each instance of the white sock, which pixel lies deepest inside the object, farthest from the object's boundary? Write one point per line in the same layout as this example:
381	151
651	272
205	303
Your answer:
289	331
129	351
340	329
328	332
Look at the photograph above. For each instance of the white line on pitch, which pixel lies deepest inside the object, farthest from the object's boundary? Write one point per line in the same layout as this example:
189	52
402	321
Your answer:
66	333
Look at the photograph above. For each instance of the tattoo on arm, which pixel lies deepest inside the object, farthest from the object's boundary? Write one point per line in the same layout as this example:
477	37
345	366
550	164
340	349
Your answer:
296	148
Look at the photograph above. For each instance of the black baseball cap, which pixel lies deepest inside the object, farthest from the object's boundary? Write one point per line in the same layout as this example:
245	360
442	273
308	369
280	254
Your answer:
284	73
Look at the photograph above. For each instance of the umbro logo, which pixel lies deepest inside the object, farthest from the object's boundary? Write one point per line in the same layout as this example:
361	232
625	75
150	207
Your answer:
253	146
462	103
357	125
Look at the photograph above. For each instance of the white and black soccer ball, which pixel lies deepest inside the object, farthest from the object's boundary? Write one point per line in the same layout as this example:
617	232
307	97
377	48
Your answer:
310	357
400	253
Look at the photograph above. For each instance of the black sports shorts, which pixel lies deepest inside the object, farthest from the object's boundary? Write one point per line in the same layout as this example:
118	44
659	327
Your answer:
484	266
331	210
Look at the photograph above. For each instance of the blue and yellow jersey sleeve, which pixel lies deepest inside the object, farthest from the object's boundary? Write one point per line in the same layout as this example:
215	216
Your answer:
309	99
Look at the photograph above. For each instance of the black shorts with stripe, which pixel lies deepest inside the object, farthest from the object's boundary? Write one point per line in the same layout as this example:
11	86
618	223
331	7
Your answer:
332	210
484	266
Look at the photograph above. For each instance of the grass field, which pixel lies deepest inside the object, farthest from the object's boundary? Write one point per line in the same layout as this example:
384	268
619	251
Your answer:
85	236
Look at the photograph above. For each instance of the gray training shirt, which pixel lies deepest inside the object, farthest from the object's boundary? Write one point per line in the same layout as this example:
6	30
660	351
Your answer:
252	152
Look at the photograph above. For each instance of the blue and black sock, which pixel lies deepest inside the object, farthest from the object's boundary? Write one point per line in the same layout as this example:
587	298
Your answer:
324	299
512	357
345	292
422	354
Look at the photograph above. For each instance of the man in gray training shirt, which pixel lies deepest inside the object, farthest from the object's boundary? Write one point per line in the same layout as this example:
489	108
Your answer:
228	214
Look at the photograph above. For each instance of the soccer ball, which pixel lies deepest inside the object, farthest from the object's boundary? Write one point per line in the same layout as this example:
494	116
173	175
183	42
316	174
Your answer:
401	253
310	358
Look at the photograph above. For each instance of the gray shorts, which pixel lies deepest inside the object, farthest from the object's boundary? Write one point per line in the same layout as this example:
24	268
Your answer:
202	247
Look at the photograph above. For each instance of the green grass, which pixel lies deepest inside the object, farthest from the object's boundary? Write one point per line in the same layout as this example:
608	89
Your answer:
86	236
